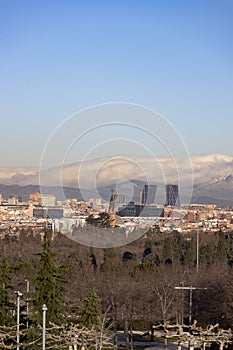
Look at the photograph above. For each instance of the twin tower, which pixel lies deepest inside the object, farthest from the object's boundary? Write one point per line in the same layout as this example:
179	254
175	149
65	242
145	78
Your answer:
147	196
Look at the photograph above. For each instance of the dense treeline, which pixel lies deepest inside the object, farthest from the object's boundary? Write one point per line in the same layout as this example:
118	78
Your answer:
134	284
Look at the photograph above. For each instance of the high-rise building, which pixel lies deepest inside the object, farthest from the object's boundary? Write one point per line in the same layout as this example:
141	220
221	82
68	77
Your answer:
172	195
140	197
148	194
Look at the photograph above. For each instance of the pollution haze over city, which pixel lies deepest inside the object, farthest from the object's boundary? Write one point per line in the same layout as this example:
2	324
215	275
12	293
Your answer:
100	95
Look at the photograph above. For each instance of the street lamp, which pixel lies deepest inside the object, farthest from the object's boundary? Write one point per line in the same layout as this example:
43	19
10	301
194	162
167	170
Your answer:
27	300
18	295
190	300
44	309
197	253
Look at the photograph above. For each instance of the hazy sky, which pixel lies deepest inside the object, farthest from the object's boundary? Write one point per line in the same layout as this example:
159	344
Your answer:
59	56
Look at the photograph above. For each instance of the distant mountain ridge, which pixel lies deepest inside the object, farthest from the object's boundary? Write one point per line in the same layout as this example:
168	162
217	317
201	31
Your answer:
212	175
220	188
200	194
60	193
112	169
219	179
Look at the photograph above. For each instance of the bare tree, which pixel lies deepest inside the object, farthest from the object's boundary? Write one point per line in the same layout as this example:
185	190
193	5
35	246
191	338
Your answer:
162	285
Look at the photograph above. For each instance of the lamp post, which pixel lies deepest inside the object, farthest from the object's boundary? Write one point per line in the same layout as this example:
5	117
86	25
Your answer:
182	305
191	288
44	309
18	295
27	300
197	254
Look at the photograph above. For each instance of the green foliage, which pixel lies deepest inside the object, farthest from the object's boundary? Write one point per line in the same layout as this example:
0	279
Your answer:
208	253
221	247
48	285
31	339
190	252
146	265
168	248
6	273
90	310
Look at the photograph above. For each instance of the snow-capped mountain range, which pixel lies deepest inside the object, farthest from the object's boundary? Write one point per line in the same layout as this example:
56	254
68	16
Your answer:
212	168
210	175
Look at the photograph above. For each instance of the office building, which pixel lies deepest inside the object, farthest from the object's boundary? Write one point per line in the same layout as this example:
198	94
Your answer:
47	200
48	213
135	210
172	195
148	194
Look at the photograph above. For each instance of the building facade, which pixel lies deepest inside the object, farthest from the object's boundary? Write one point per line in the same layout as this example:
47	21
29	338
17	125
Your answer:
148	194
135	210
172	195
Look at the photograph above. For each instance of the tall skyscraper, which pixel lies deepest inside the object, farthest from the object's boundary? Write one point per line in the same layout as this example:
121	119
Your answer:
172	195
148	194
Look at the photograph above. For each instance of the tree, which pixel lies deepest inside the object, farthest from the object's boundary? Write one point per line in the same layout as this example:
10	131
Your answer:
162	285
90	310
6	306
221	247
48	284
168	249
101	220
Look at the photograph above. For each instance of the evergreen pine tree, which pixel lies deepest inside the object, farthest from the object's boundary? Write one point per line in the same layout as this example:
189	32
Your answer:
90	310
6	306
221	247
48	285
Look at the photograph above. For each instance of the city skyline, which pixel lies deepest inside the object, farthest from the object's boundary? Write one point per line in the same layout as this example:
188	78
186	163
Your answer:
116	174
61	57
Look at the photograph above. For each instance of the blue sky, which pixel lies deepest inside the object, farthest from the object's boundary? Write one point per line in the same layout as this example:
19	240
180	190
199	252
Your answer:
58	57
